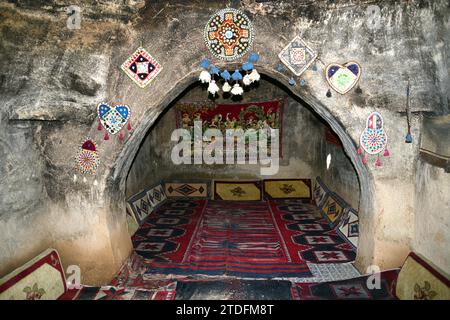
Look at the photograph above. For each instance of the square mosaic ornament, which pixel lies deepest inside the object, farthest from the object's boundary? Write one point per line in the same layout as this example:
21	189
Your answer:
141	67
297	56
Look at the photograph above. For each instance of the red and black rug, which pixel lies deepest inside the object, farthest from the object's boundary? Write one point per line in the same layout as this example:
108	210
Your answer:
309	235
247	239
361	288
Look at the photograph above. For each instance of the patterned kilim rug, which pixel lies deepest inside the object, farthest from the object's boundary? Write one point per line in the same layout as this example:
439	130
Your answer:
309	235
168	231
237	239
351	289
116	293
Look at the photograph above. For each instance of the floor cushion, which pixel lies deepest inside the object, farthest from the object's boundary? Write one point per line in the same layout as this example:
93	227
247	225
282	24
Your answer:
42	278
418	280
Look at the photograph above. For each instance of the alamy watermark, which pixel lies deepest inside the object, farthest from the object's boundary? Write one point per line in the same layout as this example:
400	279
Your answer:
237	147
74	19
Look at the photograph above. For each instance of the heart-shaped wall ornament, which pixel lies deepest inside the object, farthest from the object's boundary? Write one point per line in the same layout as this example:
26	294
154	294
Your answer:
113	119
343	78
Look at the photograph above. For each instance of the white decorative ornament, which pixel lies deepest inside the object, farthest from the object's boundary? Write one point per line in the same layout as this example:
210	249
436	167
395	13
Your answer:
226	87
237	90
213	88
247	80
205	76
254	75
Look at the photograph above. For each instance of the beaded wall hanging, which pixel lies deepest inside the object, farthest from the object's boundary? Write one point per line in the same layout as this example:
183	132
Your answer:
297	56
373	139
113	119
342	78
87	158
247	75
141	67
229	34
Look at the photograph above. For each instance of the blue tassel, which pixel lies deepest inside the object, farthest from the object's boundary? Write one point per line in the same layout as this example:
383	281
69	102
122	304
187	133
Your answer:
214	70
236	76
408	138
254	57
225	75
247	66
292	82
204	64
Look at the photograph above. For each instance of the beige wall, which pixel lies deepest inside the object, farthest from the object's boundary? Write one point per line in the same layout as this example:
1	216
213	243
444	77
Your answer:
432	218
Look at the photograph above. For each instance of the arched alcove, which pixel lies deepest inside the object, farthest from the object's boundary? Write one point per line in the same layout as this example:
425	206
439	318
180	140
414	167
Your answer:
117	178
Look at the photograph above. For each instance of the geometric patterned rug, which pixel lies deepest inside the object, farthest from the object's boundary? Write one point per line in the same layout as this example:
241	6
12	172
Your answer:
277	239
313	238
351	289
167	232
115	293
235	239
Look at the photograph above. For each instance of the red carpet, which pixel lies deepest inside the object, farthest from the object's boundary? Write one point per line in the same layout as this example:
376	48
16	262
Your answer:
230	239
351	289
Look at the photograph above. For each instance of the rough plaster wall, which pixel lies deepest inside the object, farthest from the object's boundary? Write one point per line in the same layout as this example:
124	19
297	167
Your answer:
341	176
432	219
303	134
47	74
47	90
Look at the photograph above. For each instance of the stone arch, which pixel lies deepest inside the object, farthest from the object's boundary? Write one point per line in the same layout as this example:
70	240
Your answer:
116	179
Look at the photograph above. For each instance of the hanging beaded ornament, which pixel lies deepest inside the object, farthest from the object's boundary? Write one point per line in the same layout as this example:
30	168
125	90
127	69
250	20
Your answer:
113	119
87	158
373	139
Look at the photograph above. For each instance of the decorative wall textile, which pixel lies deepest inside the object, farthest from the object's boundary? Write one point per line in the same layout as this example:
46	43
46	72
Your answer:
351	289
287	188
187	190
140	205
245	75
342	78
297	56
229	34
255	115
320	192
237	190
333	209
349	226
141	67
42	278
113	119
373	139
418	280
235	239
156	195
87	157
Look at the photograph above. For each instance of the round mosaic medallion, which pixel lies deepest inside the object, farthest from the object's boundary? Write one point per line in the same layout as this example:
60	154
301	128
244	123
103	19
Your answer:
87	157
374	139
229	34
